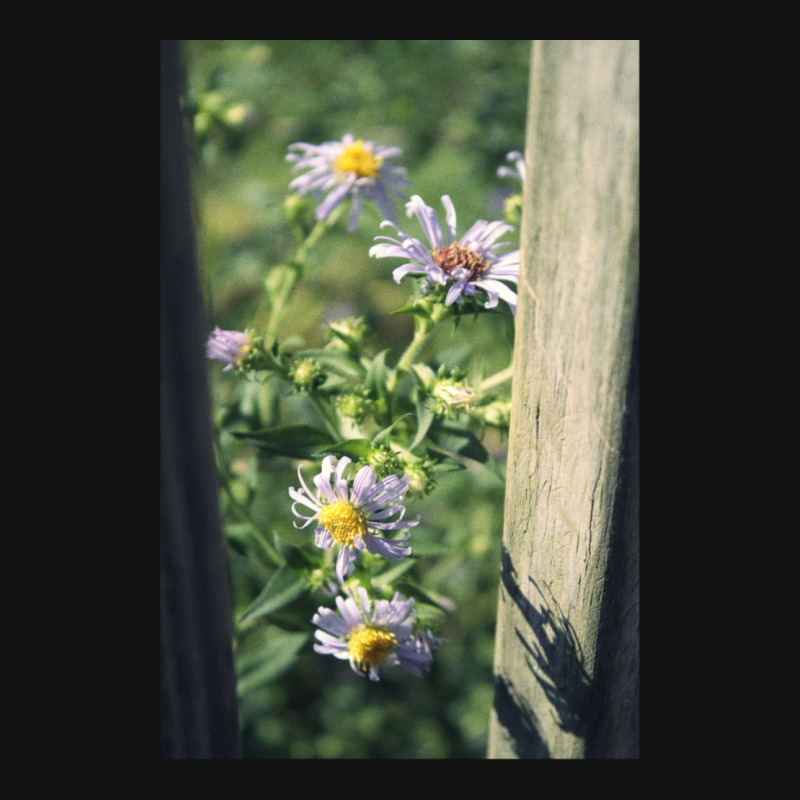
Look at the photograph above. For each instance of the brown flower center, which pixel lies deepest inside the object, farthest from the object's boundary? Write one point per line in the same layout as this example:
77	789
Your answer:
456	255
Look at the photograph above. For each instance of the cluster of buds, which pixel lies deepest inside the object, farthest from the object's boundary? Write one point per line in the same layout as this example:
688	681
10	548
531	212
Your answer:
421	477
347	335
497	413
450	394
384	461
354	405
306	374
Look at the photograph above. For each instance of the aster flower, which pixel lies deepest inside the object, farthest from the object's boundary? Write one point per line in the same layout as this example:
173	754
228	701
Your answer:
350	516
518	170
228	346
349	168
467	264
368	636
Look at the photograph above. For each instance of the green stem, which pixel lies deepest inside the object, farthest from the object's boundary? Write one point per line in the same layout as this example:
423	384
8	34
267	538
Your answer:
423	327
262	541
297	266
496	379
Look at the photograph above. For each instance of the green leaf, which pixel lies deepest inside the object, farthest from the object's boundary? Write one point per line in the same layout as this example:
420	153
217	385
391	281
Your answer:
383	437
394	572
295	441
419	547
336	361
457	439
377	376
267	661
423	597
416	309
284	587
357	449
425	417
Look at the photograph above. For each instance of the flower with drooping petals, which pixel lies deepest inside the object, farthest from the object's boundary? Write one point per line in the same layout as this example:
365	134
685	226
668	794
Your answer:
350	516
470	263
350	168
517	171
368	635
228	346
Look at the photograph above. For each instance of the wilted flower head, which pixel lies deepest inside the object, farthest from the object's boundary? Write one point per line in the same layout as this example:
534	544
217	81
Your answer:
228	346
350	516
450	395
349	168
368	635
470	263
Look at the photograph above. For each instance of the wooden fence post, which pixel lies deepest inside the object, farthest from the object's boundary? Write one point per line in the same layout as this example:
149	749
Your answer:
567	652
199	707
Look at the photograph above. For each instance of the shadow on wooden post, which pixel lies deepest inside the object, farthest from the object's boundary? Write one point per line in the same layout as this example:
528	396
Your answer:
199	716
567	652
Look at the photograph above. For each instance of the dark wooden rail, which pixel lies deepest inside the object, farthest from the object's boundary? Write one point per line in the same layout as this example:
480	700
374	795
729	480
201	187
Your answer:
198	684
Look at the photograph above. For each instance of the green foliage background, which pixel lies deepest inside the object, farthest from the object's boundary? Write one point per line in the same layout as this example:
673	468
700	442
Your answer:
455	107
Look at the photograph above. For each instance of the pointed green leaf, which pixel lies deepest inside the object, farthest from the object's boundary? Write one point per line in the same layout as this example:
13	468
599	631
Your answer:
357	449
425	417
457	439
383	437
284	587
267	661
295	441
394	572
336	361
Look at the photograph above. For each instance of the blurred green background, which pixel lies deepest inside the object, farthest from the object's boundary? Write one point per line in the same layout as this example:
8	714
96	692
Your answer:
455	107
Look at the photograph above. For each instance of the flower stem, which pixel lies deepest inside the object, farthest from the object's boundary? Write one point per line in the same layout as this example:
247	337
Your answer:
423	327
262	541
297	267
496	379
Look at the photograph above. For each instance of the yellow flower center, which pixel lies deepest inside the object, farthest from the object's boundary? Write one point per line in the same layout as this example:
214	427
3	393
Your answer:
344	521
359	159
244	349
368	646
456	255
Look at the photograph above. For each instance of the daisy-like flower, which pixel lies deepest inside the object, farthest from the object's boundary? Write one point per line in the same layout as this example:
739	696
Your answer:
228	346
350	168
368	636
350	516
517	171
470	263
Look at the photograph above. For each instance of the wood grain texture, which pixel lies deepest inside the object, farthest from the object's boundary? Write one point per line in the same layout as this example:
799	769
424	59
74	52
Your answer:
566	664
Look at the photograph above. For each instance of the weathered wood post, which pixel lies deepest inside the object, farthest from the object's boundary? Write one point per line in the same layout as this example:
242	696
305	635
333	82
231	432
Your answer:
199	712
567	652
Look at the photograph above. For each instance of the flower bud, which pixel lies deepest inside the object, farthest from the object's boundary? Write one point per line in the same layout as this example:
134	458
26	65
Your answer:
384	461
306	374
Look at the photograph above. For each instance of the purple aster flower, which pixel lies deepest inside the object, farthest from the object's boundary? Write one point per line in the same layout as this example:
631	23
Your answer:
349	168
368	636
518	170
470	263
350	516
228	346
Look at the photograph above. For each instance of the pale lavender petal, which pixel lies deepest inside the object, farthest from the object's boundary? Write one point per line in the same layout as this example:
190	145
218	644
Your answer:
344	562
427	219
363	486
323	538
299	497
450	217
391	551
340	480
330	621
